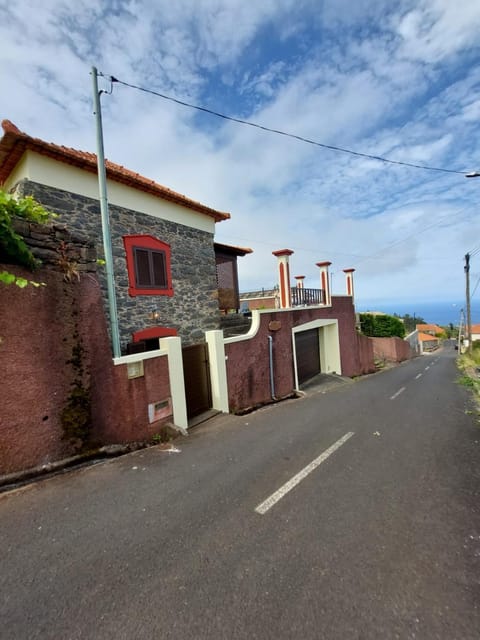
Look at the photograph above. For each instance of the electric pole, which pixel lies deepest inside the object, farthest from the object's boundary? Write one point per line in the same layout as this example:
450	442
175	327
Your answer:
467	295
107	242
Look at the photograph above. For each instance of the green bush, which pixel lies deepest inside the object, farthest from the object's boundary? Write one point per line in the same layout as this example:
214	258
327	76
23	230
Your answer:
381	326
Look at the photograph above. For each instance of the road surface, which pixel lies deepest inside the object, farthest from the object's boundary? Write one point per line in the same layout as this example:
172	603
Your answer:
347	514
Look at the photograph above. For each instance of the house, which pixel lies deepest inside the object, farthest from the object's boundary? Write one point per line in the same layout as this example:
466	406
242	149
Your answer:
428	341
261	299
475	329
165	262
227	275
430	329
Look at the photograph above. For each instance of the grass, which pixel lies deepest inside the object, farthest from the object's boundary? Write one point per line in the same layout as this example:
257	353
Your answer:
469	365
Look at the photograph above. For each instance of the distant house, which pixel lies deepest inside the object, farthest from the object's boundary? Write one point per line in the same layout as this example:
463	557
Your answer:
261	299
430	329
475	332
428	341
166	265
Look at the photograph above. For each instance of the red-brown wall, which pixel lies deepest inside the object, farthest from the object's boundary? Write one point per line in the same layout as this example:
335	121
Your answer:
248	367
39	327
392	349
365	354
261	303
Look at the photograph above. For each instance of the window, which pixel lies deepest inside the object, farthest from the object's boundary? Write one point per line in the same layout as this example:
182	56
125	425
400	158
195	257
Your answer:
148	264
150	268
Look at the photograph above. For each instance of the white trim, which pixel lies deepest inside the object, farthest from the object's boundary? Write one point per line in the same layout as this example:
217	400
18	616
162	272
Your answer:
173	346
254	327
218	370
138	357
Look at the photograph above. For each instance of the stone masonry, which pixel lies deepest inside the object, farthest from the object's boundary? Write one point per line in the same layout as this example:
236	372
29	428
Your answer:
192	309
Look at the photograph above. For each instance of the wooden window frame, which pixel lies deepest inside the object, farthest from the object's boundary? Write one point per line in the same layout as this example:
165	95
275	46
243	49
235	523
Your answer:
151	244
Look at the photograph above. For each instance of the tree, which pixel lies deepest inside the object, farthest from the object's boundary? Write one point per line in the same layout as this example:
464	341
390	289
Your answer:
410	323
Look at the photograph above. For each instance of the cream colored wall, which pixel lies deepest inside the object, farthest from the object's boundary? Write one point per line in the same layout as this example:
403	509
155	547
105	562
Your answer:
329	345
52	173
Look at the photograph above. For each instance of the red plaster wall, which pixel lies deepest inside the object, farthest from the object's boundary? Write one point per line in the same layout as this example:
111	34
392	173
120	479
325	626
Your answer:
248	360
263	303
366	354
392	349
37	333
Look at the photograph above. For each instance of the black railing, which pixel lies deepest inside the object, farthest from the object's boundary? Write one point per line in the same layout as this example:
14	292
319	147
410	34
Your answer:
302	297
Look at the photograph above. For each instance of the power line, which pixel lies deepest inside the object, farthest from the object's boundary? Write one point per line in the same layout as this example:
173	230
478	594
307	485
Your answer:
372	256
283	133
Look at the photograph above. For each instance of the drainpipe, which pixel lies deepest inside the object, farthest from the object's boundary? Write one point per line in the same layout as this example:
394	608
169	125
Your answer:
270	355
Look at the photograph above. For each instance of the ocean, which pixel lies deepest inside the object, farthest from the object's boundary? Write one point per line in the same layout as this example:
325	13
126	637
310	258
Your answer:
441	313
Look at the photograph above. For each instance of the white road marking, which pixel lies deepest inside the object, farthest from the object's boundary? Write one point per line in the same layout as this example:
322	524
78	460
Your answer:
418	376
427	368
288	486
395	395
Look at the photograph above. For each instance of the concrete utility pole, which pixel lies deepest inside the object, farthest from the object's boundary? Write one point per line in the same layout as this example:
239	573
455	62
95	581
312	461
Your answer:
107	242
467	295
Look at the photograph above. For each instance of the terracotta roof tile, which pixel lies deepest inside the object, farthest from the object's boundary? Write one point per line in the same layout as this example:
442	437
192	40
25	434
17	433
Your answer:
429	327
426	337
14	143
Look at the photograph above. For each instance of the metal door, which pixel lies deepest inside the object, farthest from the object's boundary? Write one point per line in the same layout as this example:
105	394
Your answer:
308	354
196	373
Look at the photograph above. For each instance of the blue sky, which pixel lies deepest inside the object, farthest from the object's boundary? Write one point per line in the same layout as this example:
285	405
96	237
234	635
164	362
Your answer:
400	80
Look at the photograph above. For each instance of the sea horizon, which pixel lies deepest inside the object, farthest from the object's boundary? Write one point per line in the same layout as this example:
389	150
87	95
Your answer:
442	313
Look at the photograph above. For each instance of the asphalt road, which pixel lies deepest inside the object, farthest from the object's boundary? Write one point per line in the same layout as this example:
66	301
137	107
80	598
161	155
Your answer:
379	539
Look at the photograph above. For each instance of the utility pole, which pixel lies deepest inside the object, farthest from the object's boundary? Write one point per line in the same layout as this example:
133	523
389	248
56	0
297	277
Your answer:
107	242
467	295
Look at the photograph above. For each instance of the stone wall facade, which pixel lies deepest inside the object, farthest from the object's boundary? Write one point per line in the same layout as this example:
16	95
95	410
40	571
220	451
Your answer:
192	309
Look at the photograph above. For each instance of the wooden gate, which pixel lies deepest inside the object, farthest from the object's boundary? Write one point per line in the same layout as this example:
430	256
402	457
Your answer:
196	374
308	354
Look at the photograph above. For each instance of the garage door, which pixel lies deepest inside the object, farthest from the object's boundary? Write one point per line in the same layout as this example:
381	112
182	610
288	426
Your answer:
308	354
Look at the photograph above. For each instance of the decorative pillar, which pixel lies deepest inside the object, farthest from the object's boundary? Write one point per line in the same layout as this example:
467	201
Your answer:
349	281
325	283
284	277
299	280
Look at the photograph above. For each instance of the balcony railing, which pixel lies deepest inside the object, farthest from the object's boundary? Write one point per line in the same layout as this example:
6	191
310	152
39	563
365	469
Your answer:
303	297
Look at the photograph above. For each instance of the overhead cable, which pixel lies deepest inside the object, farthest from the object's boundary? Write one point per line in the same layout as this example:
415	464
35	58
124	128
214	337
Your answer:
284	133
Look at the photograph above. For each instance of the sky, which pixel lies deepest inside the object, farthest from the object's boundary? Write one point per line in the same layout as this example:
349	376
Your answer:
399	80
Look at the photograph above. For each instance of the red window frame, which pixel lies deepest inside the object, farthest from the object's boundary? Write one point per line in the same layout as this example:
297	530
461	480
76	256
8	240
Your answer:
148	243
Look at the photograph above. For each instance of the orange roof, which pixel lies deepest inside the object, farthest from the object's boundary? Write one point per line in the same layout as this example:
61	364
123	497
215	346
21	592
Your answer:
429	327
426	337
475	328
14	143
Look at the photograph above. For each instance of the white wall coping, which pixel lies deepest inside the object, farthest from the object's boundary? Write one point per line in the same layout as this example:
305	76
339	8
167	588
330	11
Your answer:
139	357
256	313
252	332
315	324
